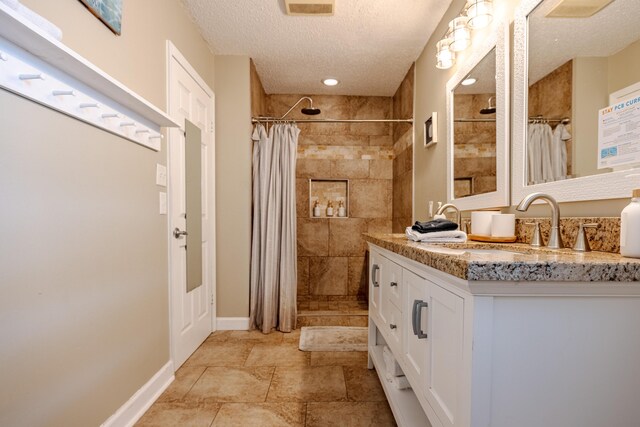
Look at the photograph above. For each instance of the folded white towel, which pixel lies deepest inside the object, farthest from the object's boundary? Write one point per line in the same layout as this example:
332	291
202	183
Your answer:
452	236
392	369
40	22
401	383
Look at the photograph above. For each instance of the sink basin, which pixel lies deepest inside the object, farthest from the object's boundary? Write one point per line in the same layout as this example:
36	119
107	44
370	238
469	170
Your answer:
491	252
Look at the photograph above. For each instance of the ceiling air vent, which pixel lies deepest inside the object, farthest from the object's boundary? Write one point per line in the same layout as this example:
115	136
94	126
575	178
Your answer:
577	8
310	7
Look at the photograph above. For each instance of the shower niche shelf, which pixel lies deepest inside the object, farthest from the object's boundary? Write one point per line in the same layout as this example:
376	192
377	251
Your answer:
329	190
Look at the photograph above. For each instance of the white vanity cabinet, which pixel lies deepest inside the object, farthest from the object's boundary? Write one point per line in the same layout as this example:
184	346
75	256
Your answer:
504	353
422	323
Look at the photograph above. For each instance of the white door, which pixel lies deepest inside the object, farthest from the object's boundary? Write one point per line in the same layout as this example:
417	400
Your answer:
192	312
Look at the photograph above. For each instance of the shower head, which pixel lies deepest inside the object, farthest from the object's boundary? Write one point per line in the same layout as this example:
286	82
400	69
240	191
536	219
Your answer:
489	110
309	111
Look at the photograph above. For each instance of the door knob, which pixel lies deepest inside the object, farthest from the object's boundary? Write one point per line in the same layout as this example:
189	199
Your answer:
177	233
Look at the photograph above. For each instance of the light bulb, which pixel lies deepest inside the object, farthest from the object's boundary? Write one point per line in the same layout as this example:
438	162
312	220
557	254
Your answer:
445	58
479	13
459	34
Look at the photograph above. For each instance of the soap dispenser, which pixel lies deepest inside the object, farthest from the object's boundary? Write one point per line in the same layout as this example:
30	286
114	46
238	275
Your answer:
630	227
316	209
341	209
330	208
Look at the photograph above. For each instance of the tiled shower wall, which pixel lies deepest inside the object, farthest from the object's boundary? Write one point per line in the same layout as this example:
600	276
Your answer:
403	154
332	262
475	145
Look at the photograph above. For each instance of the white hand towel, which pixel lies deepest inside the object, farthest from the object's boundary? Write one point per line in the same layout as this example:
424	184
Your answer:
452	236
13	4
401	383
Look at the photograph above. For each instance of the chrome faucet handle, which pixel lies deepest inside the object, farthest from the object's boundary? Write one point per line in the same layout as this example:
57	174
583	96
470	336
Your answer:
536	237
582	241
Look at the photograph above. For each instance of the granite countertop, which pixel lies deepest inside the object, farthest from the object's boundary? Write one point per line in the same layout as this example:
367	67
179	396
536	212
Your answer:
529	264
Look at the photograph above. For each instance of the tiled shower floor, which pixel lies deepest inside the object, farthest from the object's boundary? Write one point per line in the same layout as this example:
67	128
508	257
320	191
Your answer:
245	378
332	313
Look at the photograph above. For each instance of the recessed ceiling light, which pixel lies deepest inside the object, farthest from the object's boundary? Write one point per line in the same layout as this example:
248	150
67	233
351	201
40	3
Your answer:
468	81
330	82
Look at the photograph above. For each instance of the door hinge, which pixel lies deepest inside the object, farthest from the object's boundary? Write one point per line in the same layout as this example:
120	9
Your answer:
211	299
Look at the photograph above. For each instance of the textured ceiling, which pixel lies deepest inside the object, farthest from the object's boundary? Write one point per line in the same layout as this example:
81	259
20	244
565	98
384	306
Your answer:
554	41
368	44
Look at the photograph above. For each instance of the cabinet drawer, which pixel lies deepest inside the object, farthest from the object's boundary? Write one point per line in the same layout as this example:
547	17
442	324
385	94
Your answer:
391	283
394	329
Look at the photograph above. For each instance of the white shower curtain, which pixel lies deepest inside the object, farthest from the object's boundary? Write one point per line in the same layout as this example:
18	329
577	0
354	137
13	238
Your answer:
273	243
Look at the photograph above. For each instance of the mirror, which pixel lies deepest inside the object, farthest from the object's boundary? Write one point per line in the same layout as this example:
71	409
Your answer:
570	64
193	195
477	121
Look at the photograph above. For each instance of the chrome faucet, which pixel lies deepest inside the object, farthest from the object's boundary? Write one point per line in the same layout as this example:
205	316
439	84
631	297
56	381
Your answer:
555	239
450	206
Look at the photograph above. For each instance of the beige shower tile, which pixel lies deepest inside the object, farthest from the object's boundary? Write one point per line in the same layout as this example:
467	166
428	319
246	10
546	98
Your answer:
379	225
333	140
277	355
187	414
328	276
363	385
262	414
302	198
370	198
370	414
345	237
232	385
307	384
381	140
303	275
381	169
370	107
313	237
358	276
350	169
220	354
361	321
313	168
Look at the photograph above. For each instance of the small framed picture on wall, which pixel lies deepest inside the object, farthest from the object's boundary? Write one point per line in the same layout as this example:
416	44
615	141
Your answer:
431	130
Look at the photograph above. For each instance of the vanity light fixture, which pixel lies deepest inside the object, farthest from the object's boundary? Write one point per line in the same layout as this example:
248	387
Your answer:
468	81
330	82
479	13
445	58
459	34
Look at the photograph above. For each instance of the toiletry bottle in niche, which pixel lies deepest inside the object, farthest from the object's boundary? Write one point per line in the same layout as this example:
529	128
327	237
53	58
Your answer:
330	208
316	209
630	227
341	210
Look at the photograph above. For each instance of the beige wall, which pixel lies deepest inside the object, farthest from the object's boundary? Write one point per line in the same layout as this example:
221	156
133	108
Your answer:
84	271
430	163
233	184
137	58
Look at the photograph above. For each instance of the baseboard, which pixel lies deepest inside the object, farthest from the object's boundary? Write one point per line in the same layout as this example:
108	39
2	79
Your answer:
137	405
232	323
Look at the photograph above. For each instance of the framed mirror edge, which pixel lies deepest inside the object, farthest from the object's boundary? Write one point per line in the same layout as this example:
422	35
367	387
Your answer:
497	38
616	184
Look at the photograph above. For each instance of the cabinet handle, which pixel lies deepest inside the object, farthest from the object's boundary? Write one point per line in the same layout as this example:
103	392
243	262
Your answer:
416	318
392	326
374	269
393	284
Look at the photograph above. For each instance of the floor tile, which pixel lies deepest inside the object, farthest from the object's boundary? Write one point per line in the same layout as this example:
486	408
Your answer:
184	414
255	336
219	336
352	414
220	354
277	355
292	337
186	377
339	358
261	415
308	384
363	385
222	384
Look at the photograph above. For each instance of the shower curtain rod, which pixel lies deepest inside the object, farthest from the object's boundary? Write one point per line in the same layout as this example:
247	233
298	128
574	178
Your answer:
564	120
273	119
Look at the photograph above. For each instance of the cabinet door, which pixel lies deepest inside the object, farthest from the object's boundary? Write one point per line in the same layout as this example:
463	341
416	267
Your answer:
445	346
374	284
415	346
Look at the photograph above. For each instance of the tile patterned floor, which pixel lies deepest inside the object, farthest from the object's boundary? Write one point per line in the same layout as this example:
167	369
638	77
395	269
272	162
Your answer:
245	378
